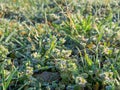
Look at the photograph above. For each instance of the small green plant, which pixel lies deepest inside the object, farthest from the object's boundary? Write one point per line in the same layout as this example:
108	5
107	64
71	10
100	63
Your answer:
59	44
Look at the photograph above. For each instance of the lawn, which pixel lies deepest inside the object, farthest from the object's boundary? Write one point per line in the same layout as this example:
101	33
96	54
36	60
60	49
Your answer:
59	45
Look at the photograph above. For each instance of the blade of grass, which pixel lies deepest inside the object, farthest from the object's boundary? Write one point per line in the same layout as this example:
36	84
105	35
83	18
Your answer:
8	79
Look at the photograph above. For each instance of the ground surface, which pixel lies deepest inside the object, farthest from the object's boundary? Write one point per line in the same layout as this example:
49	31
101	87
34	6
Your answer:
59	45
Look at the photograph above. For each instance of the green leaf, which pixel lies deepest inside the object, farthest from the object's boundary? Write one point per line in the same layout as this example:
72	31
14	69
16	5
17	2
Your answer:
8	80
89	61
9	37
